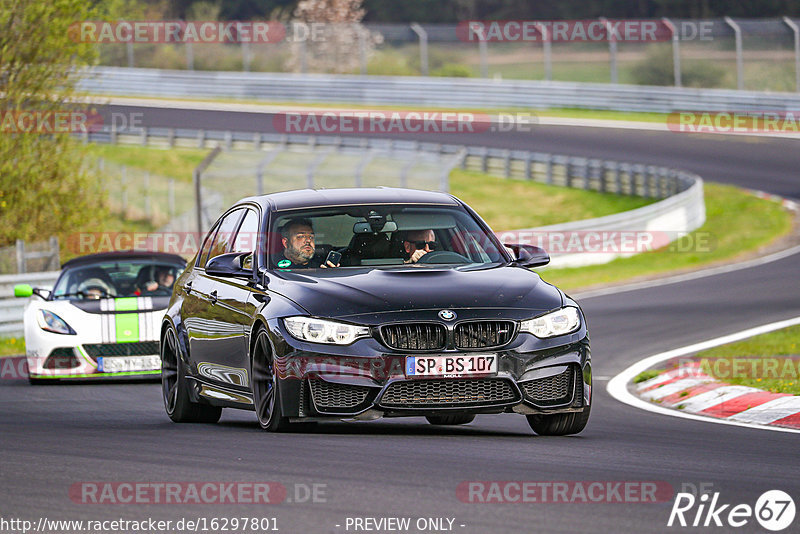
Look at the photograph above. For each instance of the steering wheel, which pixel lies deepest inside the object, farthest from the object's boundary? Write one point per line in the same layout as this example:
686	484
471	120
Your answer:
443	256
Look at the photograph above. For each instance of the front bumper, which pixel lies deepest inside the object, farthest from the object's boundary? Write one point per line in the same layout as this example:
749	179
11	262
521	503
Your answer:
367	381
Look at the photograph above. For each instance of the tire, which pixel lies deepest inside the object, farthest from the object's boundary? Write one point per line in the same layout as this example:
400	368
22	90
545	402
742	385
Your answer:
266	386
455	419
175	389
560	424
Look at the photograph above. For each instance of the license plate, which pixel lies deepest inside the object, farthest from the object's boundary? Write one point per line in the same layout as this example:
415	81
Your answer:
121	364
454	366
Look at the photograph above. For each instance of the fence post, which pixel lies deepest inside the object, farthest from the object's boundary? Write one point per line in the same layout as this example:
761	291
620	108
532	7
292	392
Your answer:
547	49
171	137
507	163
423	47
549	169
676	51
189	56
129	50
144	135
796	31
55	254
739	62
245	56
197	175
612	49
362	48
528	166
20	256
171	198
147	211
124	186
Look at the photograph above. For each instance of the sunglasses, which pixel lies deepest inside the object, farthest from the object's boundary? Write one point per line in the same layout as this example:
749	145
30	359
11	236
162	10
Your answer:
422	244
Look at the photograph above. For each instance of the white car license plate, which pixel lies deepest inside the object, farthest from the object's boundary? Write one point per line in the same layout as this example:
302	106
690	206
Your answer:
457	365
121	364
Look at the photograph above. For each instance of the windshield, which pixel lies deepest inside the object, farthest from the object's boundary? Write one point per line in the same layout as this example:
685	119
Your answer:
119	278
379	236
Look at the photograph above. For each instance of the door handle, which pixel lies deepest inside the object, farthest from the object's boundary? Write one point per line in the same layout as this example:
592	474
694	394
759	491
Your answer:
213	297
188	287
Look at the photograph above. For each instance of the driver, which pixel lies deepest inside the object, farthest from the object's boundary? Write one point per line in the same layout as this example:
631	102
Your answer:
418	243
94	288
162	285
297	238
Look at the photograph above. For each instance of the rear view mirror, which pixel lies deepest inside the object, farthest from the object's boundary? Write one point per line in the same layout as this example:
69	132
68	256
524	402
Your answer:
365	228
529	255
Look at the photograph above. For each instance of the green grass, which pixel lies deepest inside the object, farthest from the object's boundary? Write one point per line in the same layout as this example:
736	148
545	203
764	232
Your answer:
644	376
736	223
12	346
175	163
533	204
780	375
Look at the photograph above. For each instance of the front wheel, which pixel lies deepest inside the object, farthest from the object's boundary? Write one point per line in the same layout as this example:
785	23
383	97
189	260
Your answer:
455	419
266	386
175	389
560	424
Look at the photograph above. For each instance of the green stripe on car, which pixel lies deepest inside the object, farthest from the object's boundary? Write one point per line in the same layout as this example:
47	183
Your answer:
127	324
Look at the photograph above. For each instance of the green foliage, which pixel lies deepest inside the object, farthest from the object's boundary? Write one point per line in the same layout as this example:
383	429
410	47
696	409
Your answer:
44	189
657	69
452	70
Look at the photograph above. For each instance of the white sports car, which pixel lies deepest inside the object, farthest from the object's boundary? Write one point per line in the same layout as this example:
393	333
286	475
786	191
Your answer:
102	317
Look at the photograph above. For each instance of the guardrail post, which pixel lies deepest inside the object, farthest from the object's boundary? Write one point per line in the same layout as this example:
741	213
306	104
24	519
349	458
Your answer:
228	140
201	138
507	164
617	178
144	135
549	169
585	174
423	47
20	256
485	160
737	31
796	31
528	166
676	51
257	141
568	169
171	138
113	134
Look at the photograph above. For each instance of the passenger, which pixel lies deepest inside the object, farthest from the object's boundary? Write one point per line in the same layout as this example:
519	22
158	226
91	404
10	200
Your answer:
297	237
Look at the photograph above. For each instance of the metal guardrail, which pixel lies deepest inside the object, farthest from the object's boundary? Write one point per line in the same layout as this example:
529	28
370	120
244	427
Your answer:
424	91
11	308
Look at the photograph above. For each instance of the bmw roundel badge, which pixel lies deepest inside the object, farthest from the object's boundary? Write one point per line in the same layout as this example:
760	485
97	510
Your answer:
447	315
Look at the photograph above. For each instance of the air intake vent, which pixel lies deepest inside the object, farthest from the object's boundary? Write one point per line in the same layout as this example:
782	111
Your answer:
329	397
556	389
449	393
141	348
414	336
483	334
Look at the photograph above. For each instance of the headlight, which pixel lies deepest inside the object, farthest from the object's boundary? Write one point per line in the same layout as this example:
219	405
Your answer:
321	331
553	324
53	323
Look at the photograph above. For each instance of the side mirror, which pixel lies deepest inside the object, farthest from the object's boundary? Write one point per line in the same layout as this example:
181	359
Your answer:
229	264
529	255
25	291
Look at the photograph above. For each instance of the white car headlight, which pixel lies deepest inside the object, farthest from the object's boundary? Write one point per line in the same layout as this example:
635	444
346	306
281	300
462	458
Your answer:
553	324
321	331
53	323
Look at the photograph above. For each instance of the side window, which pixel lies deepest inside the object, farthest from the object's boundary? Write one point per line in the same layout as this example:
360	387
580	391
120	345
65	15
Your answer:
247	237
202	258
224	235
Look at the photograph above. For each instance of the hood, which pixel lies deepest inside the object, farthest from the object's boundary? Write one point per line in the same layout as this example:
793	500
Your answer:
349	291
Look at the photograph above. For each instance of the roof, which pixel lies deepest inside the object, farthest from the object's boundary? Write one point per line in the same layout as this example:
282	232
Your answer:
317	198
124	255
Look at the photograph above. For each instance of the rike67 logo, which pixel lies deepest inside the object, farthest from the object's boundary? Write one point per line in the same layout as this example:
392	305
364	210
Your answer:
774	510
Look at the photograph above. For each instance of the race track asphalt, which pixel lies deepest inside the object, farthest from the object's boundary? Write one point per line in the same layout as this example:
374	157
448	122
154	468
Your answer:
56	436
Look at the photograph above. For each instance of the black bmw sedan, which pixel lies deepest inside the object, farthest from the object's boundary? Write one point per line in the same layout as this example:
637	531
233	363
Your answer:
357	304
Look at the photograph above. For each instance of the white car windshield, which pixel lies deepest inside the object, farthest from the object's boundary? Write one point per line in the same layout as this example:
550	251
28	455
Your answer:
118	278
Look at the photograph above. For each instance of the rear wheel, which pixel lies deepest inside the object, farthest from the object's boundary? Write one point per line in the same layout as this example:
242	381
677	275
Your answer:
266	386
560	424
175	388
455	419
